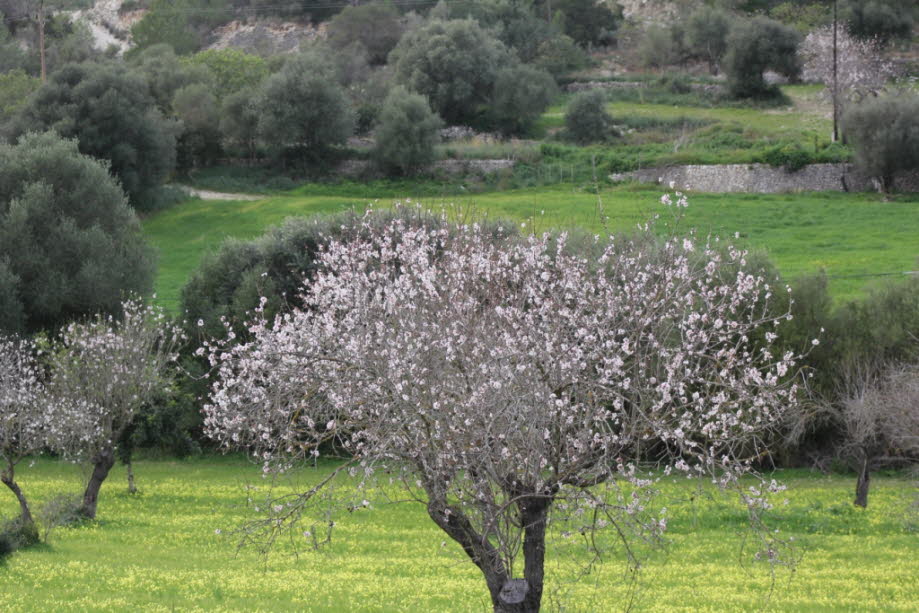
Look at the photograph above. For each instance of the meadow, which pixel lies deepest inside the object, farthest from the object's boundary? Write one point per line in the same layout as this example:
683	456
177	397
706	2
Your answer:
169	548
857	239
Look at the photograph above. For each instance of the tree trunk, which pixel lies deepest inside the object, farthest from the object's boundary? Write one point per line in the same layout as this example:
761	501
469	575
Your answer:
525	595
861	488
132	489
9	481
102	464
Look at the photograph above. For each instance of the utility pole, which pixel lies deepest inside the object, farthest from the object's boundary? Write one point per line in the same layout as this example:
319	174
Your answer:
835	77
40	22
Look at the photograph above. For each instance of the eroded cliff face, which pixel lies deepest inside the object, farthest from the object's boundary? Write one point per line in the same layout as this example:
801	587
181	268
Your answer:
654	11
109	25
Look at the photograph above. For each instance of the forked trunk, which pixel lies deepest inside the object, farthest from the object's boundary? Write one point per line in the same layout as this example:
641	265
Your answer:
508	595
9	481
525	595
102	464
864	481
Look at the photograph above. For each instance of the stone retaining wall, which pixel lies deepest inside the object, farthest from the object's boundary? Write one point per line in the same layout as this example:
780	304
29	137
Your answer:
765	179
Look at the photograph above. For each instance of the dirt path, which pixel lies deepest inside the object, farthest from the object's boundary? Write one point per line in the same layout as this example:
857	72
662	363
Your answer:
205	194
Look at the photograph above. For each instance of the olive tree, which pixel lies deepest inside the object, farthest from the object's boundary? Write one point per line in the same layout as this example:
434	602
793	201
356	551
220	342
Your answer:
102	373
885	132
521	95
586	118
503	381
303	107
70	245
407	133
110	111
755	46
707	35
25	421
453	64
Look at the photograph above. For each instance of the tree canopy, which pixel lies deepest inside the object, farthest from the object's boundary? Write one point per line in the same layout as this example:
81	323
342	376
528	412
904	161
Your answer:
69	243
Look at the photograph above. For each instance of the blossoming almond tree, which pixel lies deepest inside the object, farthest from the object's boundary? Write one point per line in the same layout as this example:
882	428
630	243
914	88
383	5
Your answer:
507	380
860	68
24	413
102	373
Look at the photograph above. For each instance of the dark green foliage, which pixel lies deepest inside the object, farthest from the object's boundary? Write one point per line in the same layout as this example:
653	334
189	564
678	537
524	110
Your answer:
375	25
239	121
69	243
165	74
407	133
791	157
368	96
883	20
276	265
109	110
588	22
15	88
885	132
452	63
559	55
707	35
755	46
196	107
303	108
587	120
657	49
521	95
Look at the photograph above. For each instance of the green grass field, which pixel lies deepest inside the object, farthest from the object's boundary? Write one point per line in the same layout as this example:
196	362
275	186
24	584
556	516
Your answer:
159	551
848	235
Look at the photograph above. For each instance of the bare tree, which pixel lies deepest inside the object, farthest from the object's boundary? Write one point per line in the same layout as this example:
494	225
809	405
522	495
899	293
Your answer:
24	417
880	417
850	68
102	373
502	380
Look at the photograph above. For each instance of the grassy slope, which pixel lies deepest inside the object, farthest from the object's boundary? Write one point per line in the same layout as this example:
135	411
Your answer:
158	551
847	234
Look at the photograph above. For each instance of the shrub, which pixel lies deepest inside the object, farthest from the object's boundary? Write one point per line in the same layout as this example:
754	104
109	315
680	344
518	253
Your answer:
521	94
407	133
586	119
885	132
791	157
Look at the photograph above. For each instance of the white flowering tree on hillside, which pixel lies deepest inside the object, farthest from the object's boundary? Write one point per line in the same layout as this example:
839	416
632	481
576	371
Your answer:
25	423
859	70
511	381
102	373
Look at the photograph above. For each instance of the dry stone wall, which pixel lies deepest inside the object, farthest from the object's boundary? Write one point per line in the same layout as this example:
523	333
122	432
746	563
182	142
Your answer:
765	179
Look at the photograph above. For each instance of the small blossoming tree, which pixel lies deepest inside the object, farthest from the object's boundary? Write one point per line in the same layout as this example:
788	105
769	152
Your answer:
102	373
25	424
860	69
509	382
